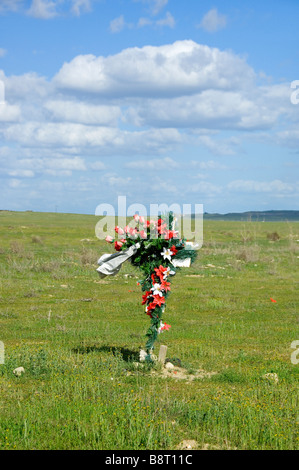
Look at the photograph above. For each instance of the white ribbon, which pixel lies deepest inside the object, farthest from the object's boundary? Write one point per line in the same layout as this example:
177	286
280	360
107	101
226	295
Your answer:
109	265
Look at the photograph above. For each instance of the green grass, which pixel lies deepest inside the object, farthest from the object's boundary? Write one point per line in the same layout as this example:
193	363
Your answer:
77	338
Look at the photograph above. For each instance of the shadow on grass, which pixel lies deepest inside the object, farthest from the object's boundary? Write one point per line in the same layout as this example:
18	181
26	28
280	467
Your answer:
126	354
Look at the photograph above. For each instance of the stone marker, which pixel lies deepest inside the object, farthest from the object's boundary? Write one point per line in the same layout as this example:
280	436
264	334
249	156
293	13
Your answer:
162	353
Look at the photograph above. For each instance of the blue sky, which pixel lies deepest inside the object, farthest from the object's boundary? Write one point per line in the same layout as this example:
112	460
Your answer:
162	101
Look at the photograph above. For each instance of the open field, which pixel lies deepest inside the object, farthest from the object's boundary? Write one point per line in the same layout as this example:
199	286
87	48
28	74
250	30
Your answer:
77	337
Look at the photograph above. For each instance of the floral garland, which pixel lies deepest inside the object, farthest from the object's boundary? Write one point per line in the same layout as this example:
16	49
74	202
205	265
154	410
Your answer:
159	255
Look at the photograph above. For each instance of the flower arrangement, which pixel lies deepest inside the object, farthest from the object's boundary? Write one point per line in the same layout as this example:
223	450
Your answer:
158	252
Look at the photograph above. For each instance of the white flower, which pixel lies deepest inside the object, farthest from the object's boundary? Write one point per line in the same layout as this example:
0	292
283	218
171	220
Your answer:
167	253
157	289
168	272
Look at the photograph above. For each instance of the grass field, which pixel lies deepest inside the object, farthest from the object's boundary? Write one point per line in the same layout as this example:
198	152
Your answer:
77	337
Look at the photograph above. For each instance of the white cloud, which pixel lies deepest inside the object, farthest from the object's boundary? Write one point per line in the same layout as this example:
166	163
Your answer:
117	24
2	52
117	181
252	186
80	5
111	106
98	166
21	173
10	5
205	188
9	112
213	21
155	6
208	165
155	164
177	69
106	140
43	9
144	22
84	113
167	21
14	183
158	5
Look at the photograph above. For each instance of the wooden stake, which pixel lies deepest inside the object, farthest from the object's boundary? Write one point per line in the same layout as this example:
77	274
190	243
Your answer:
162	353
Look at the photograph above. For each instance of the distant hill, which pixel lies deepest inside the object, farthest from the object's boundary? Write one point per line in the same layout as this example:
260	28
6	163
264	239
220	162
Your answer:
256	216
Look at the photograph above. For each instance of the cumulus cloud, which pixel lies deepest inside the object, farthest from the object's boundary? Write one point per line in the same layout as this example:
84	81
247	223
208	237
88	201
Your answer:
44	9
153	164
107	140
98	107
208	165
158	5
80	5
181	68
84	113
213	21
167	21
252	186
144	22
117	24
9	112
210	109
155	6
10	5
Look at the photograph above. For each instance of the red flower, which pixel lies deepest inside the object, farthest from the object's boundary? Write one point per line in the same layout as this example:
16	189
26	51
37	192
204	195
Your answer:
119	230
143	234
149	308
160	272
272	300
165	285
168	234
158	300
109	239
118	245
174	250
132	232
145	297
162	228
165	327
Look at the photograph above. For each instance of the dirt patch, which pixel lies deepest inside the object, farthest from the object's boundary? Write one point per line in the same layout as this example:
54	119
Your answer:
188	445
179	373
194	275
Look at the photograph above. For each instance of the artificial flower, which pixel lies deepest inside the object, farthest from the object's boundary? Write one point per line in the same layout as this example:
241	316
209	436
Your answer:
168	272
160	272
109	239
145	297
163	327
118	245
158	300
143	234
174	250
165	286
132	232
157	288
119	230
167	253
